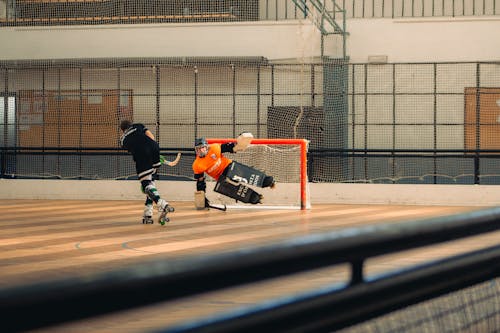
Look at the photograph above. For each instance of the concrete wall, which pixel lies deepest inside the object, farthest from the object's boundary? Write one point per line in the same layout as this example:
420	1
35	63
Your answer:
162	40
425	39
321	193
401	40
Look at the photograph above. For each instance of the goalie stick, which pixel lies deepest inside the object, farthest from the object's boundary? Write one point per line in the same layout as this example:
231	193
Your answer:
170	163
219	207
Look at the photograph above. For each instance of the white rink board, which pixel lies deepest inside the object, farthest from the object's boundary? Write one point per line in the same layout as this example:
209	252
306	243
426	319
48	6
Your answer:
328	193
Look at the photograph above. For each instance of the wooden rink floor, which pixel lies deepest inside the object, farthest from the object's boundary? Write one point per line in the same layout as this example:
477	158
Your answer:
47	239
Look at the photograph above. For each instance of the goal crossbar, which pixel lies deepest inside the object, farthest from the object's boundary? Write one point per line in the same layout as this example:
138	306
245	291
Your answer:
303	146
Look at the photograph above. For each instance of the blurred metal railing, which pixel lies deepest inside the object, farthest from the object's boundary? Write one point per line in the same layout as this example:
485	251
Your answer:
332	307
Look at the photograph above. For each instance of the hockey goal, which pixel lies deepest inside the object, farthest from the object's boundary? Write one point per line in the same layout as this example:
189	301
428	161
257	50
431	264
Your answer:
285	160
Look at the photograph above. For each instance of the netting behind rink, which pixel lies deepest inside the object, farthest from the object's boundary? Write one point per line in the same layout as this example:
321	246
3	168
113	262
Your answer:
472	310
66	12
431	123
58	12
280	161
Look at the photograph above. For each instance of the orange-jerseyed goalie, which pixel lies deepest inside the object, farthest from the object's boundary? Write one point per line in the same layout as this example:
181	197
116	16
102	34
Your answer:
233	178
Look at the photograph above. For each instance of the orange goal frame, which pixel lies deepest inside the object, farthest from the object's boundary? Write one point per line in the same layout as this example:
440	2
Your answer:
303	144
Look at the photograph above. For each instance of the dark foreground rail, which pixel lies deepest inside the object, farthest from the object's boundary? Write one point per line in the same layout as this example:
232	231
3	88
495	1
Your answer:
332	308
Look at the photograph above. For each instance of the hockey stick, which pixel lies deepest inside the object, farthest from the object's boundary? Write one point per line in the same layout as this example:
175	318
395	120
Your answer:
170	163
219	207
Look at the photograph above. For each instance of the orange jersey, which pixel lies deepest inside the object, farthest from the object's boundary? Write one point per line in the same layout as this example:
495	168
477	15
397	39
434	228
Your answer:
213	163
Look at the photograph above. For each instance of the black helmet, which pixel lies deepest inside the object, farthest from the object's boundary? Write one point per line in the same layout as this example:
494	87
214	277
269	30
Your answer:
200	142
201	147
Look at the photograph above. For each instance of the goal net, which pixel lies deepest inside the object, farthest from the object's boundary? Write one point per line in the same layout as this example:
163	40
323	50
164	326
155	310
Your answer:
285	160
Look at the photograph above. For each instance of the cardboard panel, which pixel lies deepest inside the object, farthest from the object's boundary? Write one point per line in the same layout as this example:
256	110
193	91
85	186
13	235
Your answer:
482	118
71	118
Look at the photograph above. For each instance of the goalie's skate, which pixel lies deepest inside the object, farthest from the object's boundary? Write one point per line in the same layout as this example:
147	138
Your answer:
164	208
261	197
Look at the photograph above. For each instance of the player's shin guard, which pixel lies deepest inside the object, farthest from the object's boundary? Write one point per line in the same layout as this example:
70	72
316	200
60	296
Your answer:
150	190
238	192
148	202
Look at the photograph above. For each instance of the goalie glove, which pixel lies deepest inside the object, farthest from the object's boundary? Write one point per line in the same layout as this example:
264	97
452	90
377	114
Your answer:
243	141
200	201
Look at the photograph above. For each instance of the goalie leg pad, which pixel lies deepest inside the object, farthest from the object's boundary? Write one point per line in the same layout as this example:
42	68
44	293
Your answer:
241	173
268	182
255	198
238	192
199	200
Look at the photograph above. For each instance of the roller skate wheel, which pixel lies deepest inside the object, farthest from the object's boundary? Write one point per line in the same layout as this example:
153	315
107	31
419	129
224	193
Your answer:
164	220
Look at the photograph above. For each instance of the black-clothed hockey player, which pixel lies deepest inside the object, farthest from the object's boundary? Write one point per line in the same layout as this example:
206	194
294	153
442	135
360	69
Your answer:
140	142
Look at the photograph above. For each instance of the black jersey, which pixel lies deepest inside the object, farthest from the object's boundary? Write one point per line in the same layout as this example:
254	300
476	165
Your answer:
134	138
137	142
145	151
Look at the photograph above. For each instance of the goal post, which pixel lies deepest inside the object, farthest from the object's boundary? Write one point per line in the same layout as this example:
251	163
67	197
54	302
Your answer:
286	161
